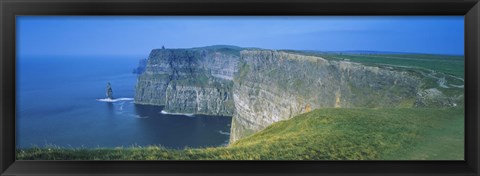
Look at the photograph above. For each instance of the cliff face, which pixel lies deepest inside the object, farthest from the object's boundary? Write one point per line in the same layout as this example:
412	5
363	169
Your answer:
260	87
189	80
212	100
273	86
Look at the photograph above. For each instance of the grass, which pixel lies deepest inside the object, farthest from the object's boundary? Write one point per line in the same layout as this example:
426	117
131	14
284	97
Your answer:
325	134
452	65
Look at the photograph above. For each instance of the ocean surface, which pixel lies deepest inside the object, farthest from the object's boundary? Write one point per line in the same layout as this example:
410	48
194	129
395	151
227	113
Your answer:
61	102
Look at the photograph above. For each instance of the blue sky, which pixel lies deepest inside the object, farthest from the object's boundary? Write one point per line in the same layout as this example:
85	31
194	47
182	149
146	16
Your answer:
117	35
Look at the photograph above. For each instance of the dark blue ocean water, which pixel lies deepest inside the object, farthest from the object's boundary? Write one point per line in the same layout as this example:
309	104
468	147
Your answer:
57	105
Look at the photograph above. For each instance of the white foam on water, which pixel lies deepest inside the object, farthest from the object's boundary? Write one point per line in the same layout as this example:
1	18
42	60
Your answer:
225	143
171	113
224	133
114	100
121	106
140	117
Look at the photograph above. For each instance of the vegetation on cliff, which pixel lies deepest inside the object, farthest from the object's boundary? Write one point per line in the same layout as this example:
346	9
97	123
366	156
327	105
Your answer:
323	134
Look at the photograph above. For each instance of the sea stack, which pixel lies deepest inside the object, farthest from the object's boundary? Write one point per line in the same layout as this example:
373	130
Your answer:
109	92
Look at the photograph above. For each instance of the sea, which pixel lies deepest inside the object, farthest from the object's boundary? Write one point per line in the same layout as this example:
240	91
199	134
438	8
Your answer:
61	102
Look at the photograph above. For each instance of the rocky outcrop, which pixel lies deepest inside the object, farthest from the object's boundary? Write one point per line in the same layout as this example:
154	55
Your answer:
435	98
189	80
109	92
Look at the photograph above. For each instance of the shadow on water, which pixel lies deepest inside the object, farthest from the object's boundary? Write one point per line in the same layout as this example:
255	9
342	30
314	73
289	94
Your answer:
110	109
145	111
179	131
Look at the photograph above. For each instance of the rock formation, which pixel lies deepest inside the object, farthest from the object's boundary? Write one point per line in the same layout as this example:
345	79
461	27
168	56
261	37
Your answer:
109	92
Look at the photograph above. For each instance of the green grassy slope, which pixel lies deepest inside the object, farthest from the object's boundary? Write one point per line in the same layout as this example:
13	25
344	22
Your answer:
452	65
326	134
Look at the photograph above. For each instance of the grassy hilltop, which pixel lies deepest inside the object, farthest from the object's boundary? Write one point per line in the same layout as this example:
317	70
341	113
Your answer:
324	134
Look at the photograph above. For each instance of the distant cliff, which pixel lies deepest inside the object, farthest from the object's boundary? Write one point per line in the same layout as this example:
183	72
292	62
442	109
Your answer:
142	64
189	80
259	87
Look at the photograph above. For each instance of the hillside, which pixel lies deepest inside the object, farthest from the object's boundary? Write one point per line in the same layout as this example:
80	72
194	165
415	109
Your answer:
324	134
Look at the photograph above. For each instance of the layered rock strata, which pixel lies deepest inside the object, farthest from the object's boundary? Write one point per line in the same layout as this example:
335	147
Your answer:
273	86
189	80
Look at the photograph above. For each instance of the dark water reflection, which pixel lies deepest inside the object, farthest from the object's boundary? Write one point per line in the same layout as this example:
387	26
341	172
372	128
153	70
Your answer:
178	131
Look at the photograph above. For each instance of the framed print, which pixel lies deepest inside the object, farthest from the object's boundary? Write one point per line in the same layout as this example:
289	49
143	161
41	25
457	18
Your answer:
255	87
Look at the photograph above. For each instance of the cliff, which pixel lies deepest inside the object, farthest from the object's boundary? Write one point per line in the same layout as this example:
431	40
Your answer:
274	85
260	87
189	80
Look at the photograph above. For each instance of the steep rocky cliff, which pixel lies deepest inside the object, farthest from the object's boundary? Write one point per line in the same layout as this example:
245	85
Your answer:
273	86
189	80
259	87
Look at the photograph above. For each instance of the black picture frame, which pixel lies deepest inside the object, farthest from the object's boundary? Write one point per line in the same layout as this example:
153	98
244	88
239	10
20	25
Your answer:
9	9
